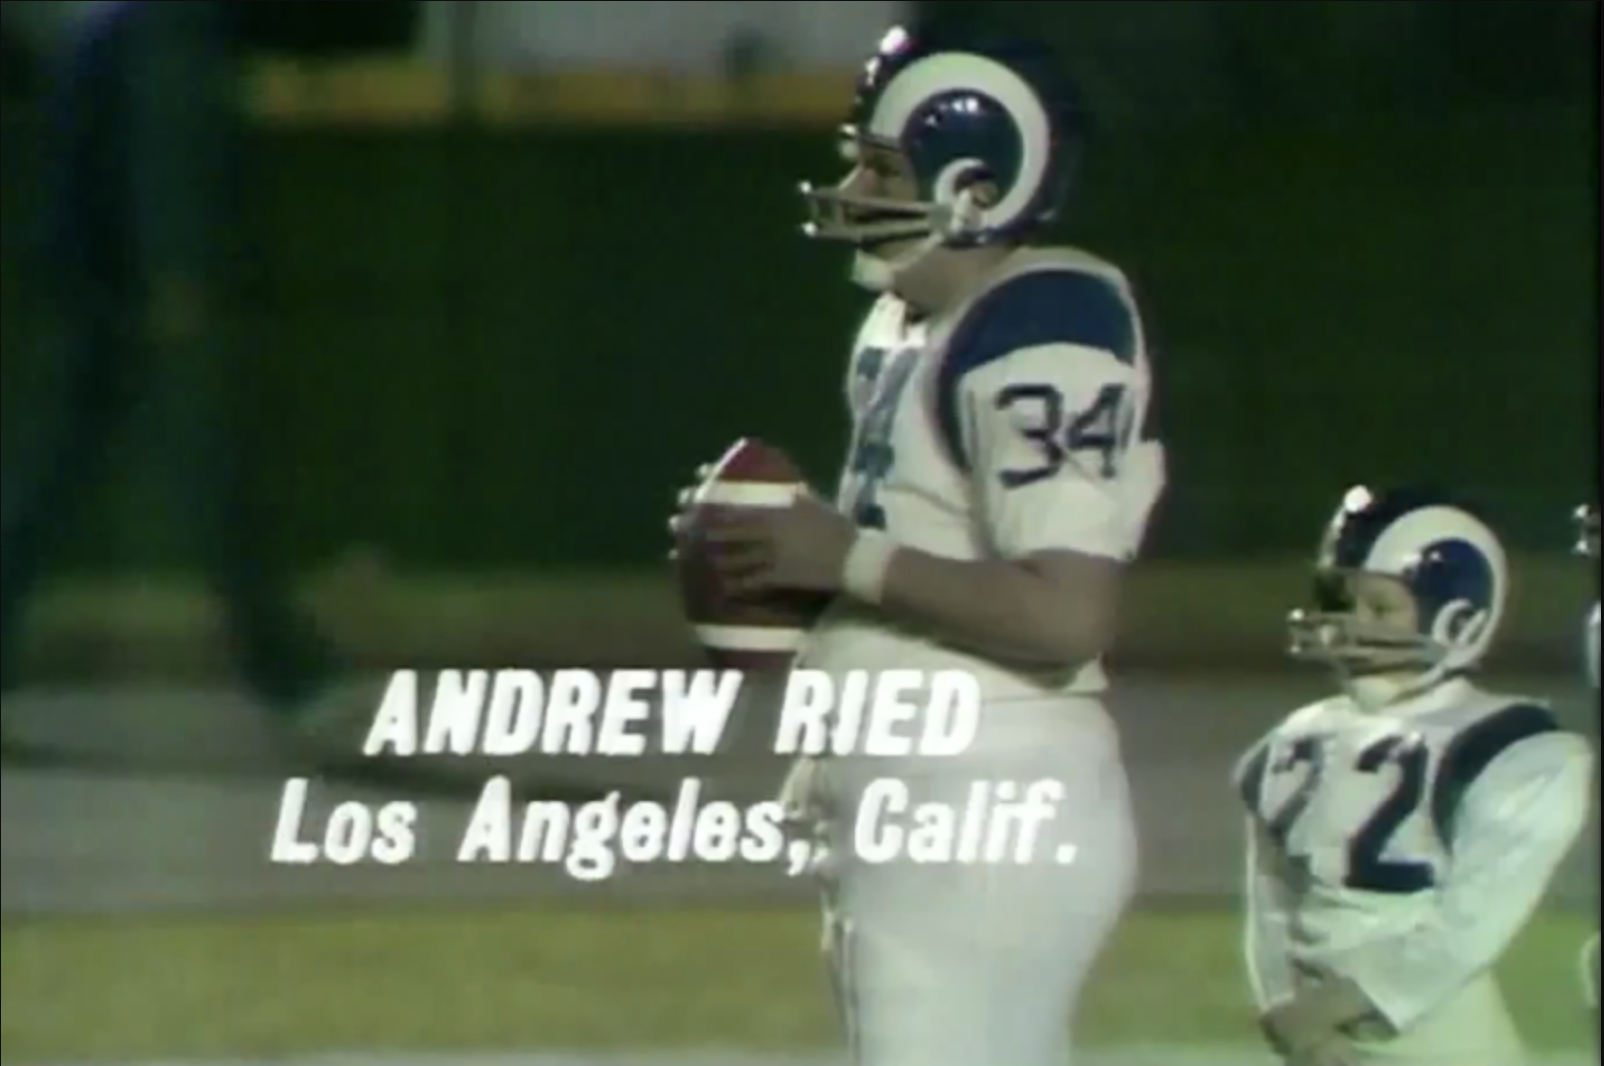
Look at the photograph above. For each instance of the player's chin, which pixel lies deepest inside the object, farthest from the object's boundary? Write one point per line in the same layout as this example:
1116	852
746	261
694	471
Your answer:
887	251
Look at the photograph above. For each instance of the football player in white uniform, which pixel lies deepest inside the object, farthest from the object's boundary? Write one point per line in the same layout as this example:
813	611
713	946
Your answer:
1001	473
1587	544
1401	832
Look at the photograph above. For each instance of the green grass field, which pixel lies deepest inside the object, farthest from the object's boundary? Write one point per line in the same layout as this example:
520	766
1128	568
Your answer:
581	979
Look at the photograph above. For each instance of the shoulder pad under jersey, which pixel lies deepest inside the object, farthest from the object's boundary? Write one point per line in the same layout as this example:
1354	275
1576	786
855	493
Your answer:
1471	750
1031	310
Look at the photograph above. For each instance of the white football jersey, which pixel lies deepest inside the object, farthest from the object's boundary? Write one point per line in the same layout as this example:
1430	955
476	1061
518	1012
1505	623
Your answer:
1404	850
1016	423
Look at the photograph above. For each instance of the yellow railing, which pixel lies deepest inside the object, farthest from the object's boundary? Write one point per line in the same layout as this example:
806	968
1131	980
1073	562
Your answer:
412	93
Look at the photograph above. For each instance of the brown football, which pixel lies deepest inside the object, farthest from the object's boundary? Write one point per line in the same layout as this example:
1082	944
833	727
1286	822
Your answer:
756	634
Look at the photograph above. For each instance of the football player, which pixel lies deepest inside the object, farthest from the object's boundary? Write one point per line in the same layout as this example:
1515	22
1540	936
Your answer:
1000	475
1402	831
1587	544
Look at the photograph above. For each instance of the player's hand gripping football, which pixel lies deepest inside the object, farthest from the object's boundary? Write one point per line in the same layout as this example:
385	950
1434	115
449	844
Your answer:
682	505
798	548
802	547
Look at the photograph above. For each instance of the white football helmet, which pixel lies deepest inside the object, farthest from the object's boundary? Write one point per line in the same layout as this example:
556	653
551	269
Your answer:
1409	589
933	122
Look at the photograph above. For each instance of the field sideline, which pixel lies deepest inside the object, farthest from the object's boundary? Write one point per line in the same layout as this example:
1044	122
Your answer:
600	981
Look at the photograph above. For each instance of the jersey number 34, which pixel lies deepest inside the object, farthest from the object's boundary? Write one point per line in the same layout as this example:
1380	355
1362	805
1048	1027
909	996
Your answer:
1060	435
1368	870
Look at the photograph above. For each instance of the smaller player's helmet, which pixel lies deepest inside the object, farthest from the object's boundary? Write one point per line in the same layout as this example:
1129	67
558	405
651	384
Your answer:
1445	559
1587	531
1000	115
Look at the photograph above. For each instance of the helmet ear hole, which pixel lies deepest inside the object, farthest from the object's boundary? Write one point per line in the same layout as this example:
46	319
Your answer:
972	178
1459	624
985	191
1450	622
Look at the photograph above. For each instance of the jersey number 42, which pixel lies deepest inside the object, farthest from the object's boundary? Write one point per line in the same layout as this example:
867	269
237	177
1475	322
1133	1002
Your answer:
1368	869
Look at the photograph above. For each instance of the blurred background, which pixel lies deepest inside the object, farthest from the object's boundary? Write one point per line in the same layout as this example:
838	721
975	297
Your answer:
339	337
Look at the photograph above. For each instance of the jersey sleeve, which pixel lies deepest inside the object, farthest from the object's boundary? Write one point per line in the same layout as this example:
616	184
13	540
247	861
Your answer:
1513	826
1266	940
1041	400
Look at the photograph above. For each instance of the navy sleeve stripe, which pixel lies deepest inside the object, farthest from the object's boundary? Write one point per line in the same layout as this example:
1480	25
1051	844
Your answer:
1035	309
1470	753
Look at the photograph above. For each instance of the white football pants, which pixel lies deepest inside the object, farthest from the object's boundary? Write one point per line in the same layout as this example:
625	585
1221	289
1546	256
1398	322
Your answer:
977	964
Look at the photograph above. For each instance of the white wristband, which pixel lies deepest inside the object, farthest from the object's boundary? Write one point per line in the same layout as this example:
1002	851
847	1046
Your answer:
868	562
